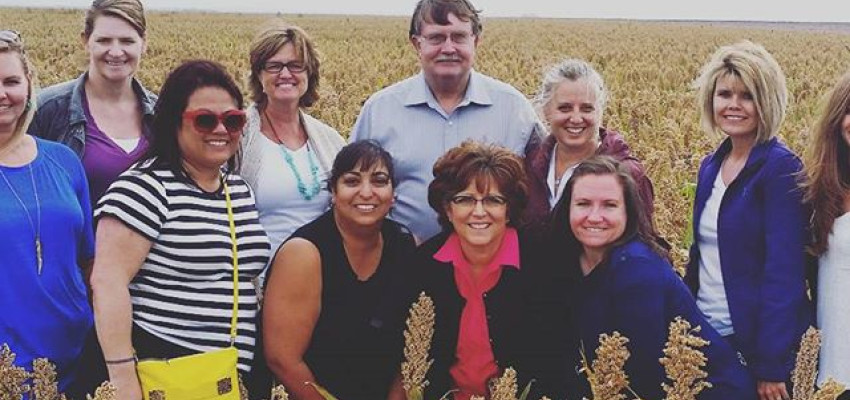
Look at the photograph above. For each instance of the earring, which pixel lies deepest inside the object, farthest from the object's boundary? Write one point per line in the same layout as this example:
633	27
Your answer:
28	105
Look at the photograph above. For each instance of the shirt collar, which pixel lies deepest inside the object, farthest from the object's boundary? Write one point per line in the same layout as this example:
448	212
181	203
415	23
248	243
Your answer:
507	255
476	92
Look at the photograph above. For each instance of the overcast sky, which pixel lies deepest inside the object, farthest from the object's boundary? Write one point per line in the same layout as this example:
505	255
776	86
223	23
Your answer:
737	10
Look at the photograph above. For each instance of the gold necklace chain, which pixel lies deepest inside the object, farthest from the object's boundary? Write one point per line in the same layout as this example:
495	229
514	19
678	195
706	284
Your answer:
36	228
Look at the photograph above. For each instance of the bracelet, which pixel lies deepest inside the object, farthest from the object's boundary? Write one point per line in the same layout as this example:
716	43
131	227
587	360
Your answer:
121	361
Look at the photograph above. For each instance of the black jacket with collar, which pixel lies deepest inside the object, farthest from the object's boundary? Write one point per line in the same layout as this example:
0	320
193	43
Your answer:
510	307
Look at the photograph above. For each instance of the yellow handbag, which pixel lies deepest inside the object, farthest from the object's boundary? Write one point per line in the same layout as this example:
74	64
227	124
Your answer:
204	376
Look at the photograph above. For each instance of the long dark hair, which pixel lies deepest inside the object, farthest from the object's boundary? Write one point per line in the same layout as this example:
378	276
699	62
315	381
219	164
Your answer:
181	83
638	224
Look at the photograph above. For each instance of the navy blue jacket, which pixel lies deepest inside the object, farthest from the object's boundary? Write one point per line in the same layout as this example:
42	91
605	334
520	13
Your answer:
762	233
637	293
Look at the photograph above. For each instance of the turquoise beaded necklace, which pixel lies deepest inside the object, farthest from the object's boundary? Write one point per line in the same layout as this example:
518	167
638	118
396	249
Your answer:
315	188
314	173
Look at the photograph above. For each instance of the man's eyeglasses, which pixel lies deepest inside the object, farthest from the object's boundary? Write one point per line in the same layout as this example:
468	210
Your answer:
274	67
490	202
205	121
438	39
11	38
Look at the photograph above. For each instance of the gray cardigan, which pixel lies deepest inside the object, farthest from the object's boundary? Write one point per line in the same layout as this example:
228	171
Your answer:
323	139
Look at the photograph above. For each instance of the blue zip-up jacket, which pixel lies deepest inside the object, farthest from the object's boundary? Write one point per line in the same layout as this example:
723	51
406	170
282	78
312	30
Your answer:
637	293
762	233
60	116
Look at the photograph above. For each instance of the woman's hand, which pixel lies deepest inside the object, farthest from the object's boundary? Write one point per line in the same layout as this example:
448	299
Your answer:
124	377
772	391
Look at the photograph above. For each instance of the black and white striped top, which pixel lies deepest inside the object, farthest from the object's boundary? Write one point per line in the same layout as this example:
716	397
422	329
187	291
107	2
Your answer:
183	292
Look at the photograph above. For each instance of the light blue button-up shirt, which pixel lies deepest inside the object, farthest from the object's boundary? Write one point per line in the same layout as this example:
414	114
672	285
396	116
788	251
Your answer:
407	120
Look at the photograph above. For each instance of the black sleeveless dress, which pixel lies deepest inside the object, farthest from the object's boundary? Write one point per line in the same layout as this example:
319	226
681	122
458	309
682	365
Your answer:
356	348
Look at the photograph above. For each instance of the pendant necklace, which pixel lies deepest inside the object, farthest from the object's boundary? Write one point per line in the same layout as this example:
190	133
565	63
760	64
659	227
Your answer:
36	228
315	188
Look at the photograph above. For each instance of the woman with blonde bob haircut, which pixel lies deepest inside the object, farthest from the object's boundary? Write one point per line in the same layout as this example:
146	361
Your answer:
286	154
752	66
747	263
828	193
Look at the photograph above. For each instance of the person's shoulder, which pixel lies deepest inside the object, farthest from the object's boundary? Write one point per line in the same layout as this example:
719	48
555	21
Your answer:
398	230
499	88
393	93
56	150
321	127
641	262
779	152
60	155
431	246
55	94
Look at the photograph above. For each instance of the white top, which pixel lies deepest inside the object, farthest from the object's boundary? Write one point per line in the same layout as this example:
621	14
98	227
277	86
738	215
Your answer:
555	193
281	206
834	304
711	296
128	145
262	163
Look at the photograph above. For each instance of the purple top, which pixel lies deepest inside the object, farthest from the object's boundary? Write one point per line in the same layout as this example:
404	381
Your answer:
103	159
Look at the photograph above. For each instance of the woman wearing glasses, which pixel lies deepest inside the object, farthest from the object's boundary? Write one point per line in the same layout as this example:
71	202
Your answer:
105	115
45	217
163	275
287	154
477	269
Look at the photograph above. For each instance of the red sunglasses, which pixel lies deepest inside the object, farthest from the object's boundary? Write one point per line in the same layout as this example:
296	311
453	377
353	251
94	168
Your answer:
205	121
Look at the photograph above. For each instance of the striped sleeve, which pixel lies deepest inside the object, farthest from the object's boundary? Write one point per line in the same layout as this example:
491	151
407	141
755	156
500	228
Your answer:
138	200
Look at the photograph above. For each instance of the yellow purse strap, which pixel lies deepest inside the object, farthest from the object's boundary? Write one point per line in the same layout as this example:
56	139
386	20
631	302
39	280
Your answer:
235	263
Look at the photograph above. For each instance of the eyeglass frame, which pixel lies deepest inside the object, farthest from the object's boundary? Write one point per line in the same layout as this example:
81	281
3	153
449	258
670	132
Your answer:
490	202
294	67
219	118
457	38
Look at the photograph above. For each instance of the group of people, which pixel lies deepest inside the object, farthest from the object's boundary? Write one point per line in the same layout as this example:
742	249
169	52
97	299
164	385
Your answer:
133	220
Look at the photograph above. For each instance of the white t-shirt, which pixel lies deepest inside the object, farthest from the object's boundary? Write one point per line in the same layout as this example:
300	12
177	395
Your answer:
282	208
711	296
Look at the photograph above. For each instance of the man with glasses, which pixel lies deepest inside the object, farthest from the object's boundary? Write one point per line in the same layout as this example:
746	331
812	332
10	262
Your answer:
421	117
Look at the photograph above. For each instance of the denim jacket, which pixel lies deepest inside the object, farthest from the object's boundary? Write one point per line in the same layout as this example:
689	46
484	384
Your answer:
60	116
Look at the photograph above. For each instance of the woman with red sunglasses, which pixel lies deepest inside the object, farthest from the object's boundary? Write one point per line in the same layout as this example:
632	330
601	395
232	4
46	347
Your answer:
163	275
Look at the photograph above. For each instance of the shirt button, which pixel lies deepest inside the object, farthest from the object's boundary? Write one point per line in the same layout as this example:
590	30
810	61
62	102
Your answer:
451	123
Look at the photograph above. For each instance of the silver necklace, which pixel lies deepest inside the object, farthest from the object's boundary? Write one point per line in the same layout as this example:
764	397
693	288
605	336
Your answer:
36	228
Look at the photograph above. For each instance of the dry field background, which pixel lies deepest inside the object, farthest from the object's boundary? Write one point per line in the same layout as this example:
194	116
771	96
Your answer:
648	67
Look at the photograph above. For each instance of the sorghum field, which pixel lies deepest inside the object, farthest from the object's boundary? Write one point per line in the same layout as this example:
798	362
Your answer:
648	67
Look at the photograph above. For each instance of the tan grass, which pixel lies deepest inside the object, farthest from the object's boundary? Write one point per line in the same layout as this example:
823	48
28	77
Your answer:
607	376
684	362
417	343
